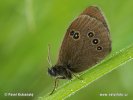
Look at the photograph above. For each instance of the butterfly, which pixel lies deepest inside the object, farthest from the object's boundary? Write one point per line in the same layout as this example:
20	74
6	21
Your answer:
86	42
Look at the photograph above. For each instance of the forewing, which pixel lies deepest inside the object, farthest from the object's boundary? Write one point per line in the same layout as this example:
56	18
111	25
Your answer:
95	12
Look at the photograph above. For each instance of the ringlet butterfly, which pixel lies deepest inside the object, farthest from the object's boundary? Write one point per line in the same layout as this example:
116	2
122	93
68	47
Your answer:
86	42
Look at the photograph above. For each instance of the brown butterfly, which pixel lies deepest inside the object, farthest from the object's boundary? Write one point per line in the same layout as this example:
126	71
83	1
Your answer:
86	42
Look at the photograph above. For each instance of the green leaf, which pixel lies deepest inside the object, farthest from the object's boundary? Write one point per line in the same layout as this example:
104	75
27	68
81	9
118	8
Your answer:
71	87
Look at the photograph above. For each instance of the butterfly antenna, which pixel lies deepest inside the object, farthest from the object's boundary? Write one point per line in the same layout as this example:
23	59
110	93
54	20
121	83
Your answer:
49	58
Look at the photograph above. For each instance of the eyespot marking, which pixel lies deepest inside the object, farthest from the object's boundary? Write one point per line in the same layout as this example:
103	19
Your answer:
90	34
76	35
99	48
95	41
72	32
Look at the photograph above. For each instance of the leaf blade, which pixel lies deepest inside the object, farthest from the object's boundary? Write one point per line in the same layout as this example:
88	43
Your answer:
118	59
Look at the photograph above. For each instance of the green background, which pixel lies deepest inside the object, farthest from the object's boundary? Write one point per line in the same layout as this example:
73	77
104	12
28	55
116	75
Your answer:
28	26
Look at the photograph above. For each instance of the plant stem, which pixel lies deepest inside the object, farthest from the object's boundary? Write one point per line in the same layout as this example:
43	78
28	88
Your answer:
118	59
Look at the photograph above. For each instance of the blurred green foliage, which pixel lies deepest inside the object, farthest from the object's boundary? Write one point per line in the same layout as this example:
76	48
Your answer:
28	26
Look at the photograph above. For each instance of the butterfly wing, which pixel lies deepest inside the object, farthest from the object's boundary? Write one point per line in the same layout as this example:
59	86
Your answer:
86	41
95	12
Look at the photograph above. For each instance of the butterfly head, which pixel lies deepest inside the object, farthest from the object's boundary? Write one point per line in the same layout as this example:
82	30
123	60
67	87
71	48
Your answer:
52	71
59	71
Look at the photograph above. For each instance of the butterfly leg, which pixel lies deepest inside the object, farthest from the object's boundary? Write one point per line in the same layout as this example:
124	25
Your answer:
56	83
78	77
